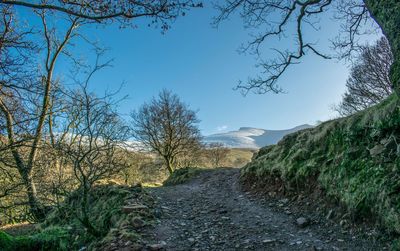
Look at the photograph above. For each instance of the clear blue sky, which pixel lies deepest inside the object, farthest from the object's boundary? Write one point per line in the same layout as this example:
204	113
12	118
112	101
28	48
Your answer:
201	64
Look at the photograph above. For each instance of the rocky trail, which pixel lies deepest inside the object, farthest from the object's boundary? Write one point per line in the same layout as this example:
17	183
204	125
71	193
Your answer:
211	212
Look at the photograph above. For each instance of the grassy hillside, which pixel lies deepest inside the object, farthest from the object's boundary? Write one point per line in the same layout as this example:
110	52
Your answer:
355	160
238	157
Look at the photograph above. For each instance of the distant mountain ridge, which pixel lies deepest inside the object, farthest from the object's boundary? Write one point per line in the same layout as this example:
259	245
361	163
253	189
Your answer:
248	137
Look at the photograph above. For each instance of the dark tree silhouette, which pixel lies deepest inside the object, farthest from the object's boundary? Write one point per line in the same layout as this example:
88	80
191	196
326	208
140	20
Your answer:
276	17
369	81
27	97
92	142
167	126
161	12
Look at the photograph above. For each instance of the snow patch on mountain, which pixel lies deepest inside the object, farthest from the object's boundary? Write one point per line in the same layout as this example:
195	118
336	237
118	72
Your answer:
248	137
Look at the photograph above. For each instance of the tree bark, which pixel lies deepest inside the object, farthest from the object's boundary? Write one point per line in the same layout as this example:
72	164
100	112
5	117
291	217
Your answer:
24	170
168	162
35	206
387	14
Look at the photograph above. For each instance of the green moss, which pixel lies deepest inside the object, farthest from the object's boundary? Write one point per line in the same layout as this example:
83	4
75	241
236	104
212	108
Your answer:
181	175
105	204
336	156
5	241
50	239
63	231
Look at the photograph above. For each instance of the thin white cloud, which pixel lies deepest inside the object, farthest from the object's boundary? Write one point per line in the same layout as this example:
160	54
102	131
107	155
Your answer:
222	128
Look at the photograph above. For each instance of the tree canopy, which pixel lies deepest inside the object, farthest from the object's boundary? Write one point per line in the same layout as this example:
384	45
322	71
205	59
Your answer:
167	126
275	18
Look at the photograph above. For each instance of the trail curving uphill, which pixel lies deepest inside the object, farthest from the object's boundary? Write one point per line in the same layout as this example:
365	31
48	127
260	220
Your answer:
211	212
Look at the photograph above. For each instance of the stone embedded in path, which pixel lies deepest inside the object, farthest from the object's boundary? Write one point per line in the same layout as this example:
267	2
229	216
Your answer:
330	214
133	207
266	241
284	201
210	218
376	150
137	222
223	211
302	222
158	246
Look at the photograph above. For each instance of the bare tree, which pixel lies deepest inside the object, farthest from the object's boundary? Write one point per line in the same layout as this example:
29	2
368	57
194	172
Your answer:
167	126
93	143
369	81
27	94
25	105
217	153
274	19
161	13
191	157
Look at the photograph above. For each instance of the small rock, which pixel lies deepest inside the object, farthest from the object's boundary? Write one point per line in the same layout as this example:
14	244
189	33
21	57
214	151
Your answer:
266	241
299	242
137	222
158	246
136	247
330	214
390	144
284	201
314	248
302	222
343	223
288	212
376	150
191	239
134	207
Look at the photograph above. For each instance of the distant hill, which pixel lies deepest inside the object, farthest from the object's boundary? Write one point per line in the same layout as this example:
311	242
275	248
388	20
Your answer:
248	137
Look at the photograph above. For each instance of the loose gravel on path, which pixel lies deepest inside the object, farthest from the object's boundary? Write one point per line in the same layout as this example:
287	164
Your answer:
211	212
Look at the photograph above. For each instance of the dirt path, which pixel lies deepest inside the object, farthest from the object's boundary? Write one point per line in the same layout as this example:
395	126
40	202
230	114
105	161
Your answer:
212	213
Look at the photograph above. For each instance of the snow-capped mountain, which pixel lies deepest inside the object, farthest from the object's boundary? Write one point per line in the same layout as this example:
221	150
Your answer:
247	137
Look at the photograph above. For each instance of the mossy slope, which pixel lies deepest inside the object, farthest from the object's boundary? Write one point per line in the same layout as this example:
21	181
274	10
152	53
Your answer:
354	160
53	238
63	231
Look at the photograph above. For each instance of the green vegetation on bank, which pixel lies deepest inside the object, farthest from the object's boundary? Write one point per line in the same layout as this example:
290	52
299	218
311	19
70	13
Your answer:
52	238
63	231
355	160
182	175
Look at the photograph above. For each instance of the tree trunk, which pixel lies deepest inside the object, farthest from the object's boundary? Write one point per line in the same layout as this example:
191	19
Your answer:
84	210
387	14
168	162
35	206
